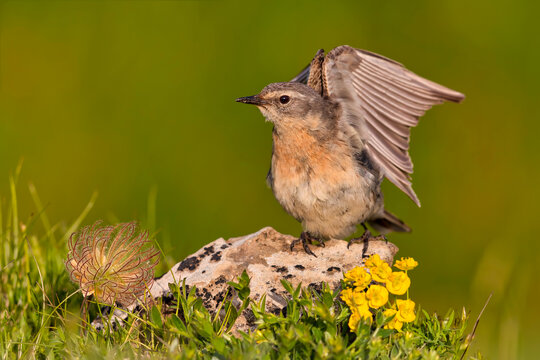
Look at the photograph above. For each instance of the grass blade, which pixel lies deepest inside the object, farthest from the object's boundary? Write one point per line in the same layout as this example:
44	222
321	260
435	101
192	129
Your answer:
81	217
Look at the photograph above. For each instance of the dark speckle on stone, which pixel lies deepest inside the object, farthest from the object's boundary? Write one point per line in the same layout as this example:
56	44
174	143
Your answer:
219	297
207	294
273	290
333	268
220	280
189	263
281	269
288	276
224	246
299	267
158	278
216	256
202	272
207	251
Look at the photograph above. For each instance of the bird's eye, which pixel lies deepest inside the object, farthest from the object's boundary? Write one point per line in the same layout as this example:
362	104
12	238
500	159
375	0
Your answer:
284	99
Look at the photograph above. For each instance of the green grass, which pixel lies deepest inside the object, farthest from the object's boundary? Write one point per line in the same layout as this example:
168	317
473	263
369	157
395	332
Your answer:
40	313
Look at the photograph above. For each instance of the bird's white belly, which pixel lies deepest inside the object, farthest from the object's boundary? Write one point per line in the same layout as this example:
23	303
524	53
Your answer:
328	202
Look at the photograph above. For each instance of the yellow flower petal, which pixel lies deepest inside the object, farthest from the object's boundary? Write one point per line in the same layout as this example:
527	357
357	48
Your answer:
365	313
394	323
359	277
406	264
376	296
346	296
353	297
380	272
353	320
358	313
398	283
405	310
373	261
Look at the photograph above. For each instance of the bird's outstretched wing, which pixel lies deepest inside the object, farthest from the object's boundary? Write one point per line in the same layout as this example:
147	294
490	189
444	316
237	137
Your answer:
381	101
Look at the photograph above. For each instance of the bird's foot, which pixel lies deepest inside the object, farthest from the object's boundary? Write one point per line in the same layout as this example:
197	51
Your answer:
306	238
364	239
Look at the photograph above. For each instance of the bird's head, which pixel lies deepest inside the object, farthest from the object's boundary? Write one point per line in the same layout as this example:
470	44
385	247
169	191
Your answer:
289	104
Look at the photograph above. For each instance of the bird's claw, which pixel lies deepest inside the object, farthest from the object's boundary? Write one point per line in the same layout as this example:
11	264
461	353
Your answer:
366	236
365	239
305	238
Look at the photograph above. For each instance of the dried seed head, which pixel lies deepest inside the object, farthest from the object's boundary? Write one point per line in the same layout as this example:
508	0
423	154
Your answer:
113	263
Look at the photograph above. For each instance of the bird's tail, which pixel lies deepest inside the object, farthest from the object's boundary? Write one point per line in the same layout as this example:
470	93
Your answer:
387	223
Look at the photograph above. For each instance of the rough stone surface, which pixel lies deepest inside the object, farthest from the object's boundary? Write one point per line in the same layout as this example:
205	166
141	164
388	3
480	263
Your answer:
266	257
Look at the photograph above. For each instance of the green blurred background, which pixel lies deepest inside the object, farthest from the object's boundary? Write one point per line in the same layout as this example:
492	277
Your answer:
136	98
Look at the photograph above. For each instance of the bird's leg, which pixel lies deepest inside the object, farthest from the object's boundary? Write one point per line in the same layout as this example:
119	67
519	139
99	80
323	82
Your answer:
367	234
305	238
364	239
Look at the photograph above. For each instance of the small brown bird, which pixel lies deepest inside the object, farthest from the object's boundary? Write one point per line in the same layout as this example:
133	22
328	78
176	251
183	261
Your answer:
340	127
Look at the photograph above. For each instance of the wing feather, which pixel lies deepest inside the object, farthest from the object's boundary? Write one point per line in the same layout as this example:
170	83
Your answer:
303	76
385	108
410	105
382	100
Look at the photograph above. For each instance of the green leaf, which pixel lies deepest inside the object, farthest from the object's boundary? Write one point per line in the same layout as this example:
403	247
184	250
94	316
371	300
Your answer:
155	317
287	286
175	321
219	344
316	334
386	332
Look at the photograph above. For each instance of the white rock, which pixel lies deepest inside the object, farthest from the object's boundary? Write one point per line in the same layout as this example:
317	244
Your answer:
267	258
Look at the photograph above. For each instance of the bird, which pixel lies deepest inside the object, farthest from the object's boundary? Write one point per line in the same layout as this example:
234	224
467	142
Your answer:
340	127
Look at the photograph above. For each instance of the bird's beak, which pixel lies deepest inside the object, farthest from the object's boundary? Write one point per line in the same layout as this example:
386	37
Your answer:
255	100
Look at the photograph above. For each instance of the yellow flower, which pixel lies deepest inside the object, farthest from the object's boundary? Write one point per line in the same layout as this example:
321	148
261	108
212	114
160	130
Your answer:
398	282
405	310
406	264
372	261
394	323
376	296
356	300
359	276
358	313
381	271
353	320
346	295
353	297
365	313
